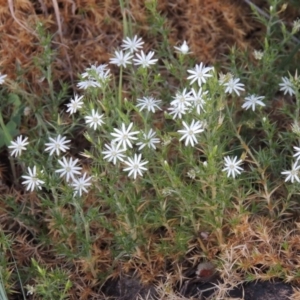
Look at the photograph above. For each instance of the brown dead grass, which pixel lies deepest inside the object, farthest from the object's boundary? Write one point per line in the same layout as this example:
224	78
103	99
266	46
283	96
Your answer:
86	32
261	248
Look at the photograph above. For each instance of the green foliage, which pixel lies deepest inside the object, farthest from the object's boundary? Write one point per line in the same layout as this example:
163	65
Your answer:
9	129
185	189
50	284
4	273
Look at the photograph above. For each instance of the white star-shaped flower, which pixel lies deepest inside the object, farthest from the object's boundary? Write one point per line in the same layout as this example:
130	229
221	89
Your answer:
292	174
80	184
287	87
94	119
94	71
95	76
199	74
133	44
182	99
85	84
121	59
145	60
197	99
252	101
233	85
148	103
18	146
114	153
149	140
232	166
57	145
189	132
177	111
75	104
69	168
123	136
135	165
32	180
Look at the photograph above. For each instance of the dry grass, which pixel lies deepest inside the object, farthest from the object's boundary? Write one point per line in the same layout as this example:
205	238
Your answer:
88	31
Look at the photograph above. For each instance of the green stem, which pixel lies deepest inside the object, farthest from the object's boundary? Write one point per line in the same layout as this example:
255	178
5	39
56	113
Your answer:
4	129
85	224
54	194
259	168
125	27
8	138
13	169
120	88
244	145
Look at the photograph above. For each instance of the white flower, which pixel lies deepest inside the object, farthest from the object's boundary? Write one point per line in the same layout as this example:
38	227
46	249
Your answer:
287	86
252	101
180	104
296	26
191	173
135	166
133	44
121	59
57	145
197	99
296	129
292	174
145	60
32	180
124	136
95	75
69	168
166	140
80	184
199	73
182	99
183	49
75	104
190	131
100	74
104	77
27	111
233	85
94	119
150	140
297	154
148	103
177	111
258	54
2	78
18	145
113	153
30	289
232	166
85	84
224	77
94	71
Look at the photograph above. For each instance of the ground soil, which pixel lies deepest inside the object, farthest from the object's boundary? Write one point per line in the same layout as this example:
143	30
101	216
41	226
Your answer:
129	287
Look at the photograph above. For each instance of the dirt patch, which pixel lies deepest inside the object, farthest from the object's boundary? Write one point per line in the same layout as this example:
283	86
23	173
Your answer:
130	287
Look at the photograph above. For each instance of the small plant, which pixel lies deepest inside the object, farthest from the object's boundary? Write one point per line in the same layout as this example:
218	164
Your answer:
50	284
3	294
162	162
